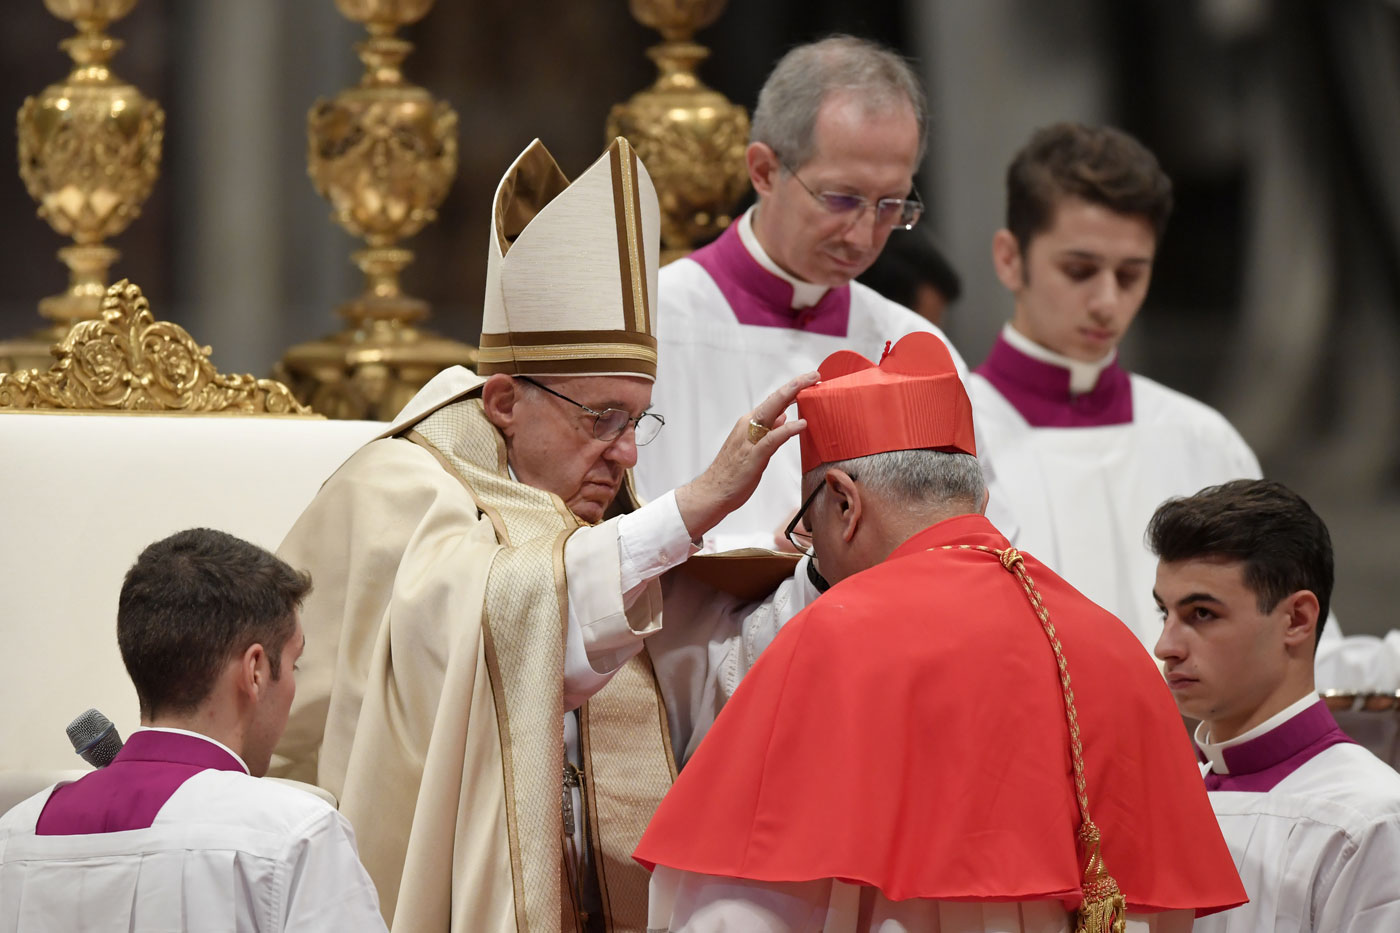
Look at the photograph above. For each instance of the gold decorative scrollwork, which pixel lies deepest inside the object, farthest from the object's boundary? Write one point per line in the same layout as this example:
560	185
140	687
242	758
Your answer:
126	360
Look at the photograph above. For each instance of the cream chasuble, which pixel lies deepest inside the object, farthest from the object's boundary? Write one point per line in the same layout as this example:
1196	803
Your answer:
431	702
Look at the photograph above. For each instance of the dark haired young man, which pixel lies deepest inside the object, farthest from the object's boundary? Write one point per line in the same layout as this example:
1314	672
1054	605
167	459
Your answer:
1312	819
1085	450
176	832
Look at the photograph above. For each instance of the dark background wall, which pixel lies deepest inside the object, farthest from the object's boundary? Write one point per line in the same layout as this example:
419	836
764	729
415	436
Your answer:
1275	296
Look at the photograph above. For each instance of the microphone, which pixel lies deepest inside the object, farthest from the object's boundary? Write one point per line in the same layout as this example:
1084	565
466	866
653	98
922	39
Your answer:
95	738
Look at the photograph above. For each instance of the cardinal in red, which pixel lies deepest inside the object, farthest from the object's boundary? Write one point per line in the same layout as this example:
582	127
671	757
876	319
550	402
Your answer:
951	738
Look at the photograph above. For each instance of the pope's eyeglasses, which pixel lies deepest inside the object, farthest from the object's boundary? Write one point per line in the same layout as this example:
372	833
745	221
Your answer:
896	213
609	425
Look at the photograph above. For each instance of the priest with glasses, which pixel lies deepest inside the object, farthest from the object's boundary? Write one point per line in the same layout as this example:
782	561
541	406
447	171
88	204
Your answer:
838	132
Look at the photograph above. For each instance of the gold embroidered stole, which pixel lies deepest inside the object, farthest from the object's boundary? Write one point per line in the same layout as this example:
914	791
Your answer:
627	752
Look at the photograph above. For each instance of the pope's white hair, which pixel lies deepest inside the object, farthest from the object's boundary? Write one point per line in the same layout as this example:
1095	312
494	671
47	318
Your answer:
916	478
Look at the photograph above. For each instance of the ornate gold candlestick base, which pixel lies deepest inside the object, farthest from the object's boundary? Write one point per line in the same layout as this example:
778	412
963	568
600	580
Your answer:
372	368
691	138
383	153
82	301
34	351
87	284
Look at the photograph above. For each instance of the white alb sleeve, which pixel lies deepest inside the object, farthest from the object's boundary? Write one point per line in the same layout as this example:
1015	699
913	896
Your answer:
607	569
710	641
327	886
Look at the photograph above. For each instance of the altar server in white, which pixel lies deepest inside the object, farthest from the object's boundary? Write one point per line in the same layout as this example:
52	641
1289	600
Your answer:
1086	450
178	832
838	132
1312	819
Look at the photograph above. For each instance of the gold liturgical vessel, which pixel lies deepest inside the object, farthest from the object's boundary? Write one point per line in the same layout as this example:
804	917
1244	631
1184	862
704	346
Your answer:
384	154
691	138
89	152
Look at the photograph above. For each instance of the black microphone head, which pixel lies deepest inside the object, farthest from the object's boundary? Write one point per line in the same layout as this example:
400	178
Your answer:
95	738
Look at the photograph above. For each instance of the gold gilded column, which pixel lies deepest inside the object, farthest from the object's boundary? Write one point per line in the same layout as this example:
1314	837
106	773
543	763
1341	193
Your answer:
691	138
89	152
384	154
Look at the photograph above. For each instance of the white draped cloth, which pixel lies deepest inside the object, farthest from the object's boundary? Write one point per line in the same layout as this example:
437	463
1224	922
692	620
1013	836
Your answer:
687	902
227	853
1319	850
709	642
710	639
1083	495
1082	498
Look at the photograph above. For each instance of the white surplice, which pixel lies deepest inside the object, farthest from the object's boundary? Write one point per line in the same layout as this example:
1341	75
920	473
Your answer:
1318	852
712	368
1083	495
1082	498
687	902
709	642
227	853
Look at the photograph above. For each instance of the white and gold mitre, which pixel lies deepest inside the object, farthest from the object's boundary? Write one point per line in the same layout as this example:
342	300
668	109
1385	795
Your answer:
571	272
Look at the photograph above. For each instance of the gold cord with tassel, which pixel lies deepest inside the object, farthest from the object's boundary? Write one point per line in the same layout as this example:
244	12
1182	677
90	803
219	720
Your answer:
1103	908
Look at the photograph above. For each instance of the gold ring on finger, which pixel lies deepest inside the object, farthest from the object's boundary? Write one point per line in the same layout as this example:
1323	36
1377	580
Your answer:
756	431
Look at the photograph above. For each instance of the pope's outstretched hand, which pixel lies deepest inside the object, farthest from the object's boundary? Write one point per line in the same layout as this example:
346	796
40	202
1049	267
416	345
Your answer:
728	482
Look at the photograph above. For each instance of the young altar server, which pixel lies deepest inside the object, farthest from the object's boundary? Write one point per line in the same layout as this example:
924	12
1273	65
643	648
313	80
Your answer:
178	832
908	753
1086	450
1312	818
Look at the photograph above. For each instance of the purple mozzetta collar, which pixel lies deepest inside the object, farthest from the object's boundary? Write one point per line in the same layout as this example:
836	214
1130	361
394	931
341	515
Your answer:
1260	763
1040	391
761	299
128	793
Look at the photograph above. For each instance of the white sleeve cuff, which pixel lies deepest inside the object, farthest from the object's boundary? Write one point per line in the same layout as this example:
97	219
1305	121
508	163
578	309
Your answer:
652	540
608	568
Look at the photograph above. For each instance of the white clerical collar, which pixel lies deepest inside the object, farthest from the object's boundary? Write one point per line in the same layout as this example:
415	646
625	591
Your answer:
1215	751
198	735
804	294
1082	376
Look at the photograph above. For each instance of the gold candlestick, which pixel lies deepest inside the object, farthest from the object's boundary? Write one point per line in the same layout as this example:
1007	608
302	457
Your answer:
89	152
384	154
691	138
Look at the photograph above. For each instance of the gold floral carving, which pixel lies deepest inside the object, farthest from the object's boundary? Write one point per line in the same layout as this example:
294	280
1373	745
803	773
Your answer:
126	360
384	164
690	137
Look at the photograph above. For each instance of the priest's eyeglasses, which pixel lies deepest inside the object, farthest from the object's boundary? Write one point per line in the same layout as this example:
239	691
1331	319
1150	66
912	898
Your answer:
897	213
801	537
610	424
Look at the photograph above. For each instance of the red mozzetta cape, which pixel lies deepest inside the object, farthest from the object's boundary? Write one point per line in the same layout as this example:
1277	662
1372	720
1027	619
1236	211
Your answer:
907	731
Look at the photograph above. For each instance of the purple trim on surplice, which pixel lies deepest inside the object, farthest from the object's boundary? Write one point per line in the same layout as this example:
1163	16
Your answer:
1040	391
128	793
1259	764
761	299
